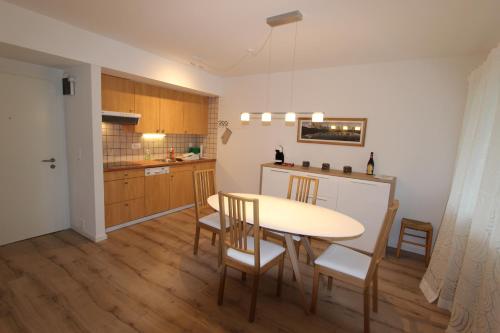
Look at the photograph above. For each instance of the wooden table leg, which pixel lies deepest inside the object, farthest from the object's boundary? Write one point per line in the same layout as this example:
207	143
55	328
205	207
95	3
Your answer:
307	246
292	254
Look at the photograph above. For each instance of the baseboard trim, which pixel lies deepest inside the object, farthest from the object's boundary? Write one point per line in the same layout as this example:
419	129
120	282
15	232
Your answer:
147	218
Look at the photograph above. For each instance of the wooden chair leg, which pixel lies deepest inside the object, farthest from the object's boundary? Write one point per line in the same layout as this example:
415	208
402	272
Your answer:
222	283
314	298
330	283
196	239
243	276
366	309
375	290
253	303
428	246
280	274
401	234
214	236
297	249
264	235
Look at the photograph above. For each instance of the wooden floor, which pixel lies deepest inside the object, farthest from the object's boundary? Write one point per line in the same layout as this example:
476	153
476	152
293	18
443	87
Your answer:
145	278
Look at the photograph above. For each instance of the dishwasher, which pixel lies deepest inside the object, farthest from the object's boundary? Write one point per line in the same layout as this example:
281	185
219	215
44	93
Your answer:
157	190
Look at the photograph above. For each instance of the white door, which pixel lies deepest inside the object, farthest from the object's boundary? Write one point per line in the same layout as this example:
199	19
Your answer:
366	202
33	196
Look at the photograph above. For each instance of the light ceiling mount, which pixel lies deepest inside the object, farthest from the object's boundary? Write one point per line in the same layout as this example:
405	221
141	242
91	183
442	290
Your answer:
286	18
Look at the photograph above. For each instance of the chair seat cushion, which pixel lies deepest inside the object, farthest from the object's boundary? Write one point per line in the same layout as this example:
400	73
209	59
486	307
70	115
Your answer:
344	260
268	251
294	237
212	220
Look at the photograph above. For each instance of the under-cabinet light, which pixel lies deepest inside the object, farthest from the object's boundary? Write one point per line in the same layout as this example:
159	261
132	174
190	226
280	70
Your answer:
153	135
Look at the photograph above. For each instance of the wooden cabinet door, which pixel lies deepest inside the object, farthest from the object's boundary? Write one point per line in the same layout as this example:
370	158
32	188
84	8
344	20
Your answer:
123	190
157	193
136	209
181	192
195	114
117	94
147	103
171	112
116	214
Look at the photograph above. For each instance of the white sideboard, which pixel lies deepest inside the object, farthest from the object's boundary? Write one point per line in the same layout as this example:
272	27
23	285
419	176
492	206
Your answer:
360	196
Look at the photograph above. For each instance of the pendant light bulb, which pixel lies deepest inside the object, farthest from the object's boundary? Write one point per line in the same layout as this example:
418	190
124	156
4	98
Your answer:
266	117
317	117
290	117
245	116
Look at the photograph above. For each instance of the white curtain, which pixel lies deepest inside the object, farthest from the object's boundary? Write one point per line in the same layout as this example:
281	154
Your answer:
464	272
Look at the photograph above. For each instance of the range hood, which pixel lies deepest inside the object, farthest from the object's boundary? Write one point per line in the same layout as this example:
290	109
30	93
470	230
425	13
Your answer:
124	118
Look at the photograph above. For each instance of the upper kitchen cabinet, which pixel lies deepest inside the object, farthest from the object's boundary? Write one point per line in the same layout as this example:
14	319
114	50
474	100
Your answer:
195	114
147	103
171	111
117	94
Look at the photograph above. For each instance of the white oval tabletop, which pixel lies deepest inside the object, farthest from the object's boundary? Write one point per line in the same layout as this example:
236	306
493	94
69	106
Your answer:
299	218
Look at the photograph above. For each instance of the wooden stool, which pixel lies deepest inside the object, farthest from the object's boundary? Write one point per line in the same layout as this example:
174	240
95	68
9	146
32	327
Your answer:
418	226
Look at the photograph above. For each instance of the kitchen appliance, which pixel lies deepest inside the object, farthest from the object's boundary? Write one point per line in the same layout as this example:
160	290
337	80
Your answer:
156	171
280	156
124	118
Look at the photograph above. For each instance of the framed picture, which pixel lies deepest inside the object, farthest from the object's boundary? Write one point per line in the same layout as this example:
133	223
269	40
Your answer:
333	131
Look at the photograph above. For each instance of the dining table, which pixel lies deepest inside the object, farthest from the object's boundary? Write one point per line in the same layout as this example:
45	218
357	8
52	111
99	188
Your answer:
305	220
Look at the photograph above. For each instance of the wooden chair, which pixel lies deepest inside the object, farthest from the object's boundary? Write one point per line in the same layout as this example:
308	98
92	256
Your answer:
204	186
354	267
302	193
243	252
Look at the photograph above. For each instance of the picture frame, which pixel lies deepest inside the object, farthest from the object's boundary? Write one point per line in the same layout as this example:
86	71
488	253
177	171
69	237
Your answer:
333	131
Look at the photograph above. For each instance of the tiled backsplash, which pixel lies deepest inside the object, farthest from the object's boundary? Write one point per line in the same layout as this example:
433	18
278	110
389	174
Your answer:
117	140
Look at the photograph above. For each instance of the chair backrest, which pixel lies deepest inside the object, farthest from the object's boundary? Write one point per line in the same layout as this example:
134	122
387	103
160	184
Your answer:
204	186
235	209
381	243
302	188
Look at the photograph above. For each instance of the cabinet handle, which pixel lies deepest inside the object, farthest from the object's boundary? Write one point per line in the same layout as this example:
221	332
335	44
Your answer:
125	183
125	174
279	171
126	205
363	183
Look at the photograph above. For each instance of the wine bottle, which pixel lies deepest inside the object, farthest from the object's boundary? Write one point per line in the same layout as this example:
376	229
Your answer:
370	167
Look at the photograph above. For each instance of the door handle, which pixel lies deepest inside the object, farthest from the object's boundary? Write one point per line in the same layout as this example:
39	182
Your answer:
51	160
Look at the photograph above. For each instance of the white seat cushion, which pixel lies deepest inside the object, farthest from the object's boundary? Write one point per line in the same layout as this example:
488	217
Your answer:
268	251
212	220
294	237
345	260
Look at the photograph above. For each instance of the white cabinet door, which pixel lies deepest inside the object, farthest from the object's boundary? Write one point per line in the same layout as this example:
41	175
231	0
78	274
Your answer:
366	202
327	189
275	182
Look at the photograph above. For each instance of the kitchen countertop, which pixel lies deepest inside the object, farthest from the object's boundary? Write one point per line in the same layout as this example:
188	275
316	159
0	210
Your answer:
128	165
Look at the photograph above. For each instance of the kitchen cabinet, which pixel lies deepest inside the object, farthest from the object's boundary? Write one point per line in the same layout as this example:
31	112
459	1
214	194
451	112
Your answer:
123	189
195	111
362	197
122	212
117	94
157	193
171	112
181	190
147	103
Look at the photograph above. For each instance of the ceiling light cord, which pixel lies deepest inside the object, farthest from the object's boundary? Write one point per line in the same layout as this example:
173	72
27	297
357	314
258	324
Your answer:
269	56
292	79
229	69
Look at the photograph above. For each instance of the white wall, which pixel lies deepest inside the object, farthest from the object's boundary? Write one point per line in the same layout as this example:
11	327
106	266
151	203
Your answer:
84	150
31	30
414	111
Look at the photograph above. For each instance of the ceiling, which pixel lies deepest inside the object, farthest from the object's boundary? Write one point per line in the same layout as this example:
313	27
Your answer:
216	34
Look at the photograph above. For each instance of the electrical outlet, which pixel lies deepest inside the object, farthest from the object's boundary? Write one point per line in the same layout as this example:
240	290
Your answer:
136	145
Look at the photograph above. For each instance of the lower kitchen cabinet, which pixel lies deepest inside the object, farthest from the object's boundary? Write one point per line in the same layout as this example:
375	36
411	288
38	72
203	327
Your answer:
181	190
157	193
129	195
122	212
